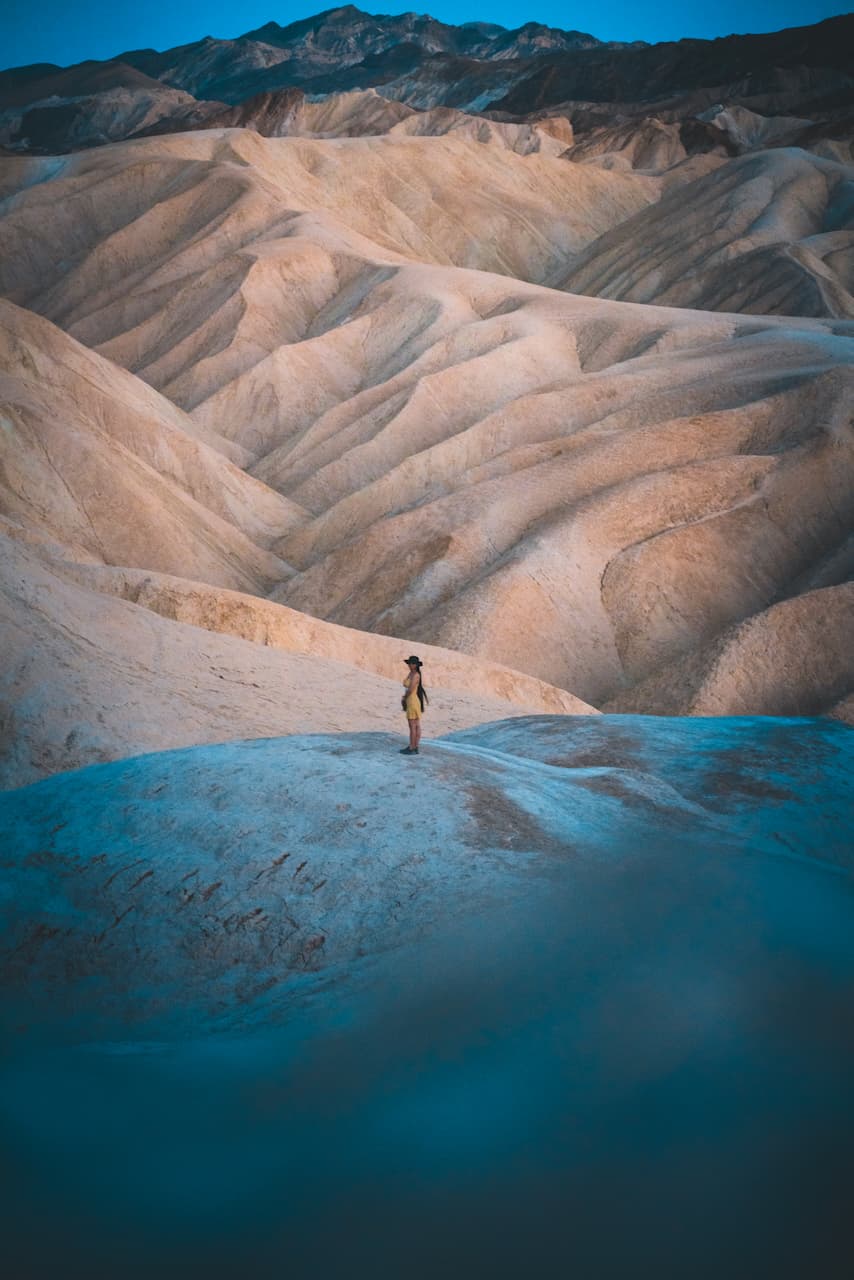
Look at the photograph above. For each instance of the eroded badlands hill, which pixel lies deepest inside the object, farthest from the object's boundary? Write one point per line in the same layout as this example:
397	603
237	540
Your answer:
127	219
289	113
586	491
99	470
771	233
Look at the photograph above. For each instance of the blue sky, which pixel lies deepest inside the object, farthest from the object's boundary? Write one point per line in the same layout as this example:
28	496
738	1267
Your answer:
54	31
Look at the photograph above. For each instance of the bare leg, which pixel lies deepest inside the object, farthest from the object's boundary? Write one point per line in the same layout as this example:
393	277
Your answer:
413	730
417	724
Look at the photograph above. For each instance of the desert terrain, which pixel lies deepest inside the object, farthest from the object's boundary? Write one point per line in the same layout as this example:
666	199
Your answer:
322	373
525	352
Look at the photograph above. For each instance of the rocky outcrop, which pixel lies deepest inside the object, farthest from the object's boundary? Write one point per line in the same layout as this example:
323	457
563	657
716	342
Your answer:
245	876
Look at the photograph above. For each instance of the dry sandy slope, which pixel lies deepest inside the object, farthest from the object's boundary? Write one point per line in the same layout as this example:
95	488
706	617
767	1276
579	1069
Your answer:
794	658
771	233
264	622
90	677
94	459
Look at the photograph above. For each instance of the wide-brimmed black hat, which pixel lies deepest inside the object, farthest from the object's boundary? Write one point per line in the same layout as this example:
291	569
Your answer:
412	658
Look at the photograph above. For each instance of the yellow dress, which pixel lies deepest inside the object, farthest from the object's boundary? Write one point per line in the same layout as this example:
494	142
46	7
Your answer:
413	702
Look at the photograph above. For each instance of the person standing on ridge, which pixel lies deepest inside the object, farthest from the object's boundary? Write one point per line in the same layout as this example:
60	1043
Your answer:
413	703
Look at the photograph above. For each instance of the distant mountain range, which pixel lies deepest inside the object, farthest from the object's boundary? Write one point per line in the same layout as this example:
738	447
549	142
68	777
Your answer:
316	51
476	67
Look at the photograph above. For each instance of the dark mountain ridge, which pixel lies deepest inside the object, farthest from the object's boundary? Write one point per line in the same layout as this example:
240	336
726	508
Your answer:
546	65
543	65
23	85
350	26
331	43
477	67
757	61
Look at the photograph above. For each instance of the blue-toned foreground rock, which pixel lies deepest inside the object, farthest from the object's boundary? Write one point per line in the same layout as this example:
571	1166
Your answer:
561	992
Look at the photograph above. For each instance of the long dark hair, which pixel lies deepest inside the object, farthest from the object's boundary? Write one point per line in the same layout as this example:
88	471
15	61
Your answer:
422	692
